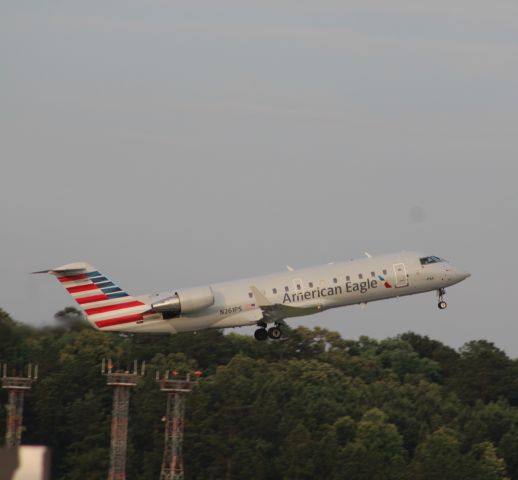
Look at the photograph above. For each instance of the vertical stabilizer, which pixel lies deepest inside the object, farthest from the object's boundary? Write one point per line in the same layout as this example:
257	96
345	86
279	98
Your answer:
104	303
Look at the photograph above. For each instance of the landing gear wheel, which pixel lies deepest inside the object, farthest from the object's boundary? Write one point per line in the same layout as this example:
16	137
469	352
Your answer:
275	333
440	294
261	334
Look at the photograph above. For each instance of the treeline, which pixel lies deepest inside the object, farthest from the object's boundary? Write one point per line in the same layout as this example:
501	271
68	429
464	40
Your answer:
312	405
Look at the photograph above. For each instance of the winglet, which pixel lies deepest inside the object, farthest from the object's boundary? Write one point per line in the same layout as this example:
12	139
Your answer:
262	301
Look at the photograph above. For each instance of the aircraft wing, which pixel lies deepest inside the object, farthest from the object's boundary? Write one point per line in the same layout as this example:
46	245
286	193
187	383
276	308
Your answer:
276	312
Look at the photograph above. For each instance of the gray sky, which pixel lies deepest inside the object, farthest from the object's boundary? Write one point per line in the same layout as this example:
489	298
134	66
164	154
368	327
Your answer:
177	143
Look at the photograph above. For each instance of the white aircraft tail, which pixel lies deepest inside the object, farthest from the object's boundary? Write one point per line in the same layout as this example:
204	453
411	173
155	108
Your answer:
104	303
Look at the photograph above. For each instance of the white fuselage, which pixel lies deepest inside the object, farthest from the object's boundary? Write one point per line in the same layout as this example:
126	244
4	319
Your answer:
307	290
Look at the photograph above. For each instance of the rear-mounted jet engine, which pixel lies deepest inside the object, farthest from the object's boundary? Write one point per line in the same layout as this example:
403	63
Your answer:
185	301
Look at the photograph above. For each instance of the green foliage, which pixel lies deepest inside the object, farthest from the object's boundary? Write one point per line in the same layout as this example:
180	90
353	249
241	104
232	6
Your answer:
439	457
376	453
296	460
485	462
508	450
311	405
85	455
12	346
485	373
434	350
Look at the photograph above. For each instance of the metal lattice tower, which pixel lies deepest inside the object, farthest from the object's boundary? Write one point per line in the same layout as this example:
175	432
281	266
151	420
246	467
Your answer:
16	386
122	382
177	391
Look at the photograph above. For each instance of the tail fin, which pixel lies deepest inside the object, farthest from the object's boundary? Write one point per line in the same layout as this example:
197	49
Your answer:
104	303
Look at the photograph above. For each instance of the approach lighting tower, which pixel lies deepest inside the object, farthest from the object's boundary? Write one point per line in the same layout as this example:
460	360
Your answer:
177	389
122	382
16	385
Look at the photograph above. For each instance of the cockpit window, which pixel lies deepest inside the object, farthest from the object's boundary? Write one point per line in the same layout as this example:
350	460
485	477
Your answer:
431	259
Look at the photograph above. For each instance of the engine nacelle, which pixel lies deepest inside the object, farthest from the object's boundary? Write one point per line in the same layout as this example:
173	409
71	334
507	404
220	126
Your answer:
186	301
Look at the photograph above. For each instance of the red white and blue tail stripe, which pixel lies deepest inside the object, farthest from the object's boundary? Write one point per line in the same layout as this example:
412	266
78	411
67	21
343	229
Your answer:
104	303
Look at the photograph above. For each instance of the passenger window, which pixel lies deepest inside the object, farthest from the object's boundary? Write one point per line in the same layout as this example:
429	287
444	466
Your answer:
373	275
298	286
274	290
347	278
384	272
360	276
335	280
310	284
286	289
250	294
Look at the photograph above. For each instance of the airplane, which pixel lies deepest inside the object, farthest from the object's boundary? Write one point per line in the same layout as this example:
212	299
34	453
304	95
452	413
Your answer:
260	301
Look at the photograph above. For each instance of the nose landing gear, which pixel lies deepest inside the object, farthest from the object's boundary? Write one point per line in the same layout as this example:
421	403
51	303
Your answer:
440	294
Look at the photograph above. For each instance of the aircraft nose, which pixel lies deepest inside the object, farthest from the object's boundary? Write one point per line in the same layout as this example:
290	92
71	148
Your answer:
461	275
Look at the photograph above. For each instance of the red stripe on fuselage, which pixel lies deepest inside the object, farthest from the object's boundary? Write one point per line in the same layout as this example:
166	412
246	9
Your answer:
71	278
117	306
82	288
118	321
93	298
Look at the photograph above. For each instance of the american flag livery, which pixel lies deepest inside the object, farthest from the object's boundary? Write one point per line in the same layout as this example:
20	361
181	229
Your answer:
104	303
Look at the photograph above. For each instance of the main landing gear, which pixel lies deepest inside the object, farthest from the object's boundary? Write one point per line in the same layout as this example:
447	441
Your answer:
440	294
262	334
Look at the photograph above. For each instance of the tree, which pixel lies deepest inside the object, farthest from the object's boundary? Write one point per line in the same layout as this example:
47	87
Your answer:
485	372
487	421
85	455
13	347
425	347
508	450
376	453
486	464
296	460
439	457
310	406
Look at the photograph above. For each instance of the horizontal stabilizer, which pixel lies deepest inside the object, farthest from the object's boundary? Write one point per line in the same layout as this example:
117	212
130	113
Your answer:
70	269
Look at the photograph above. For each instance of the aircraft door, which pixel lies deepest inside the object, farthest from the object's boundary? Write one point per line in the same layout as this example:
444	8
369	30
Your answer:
401	276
